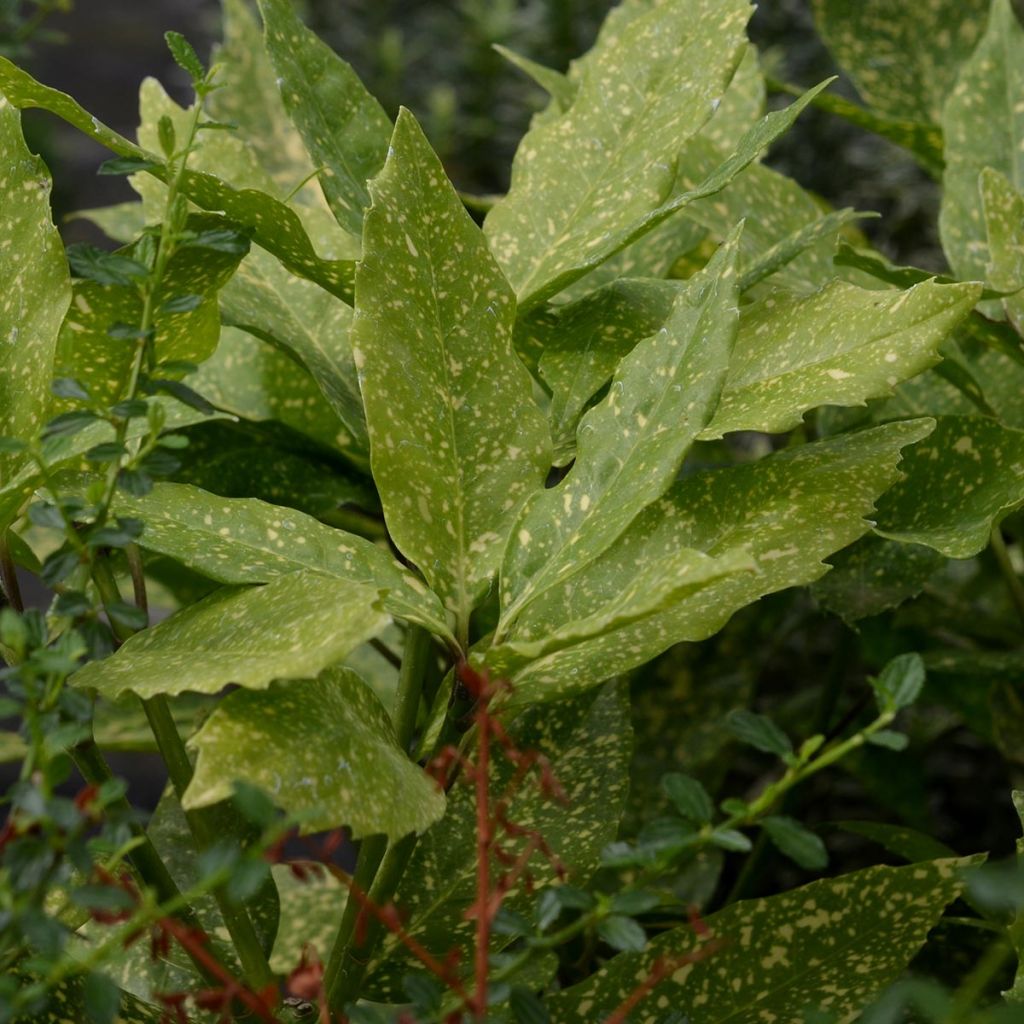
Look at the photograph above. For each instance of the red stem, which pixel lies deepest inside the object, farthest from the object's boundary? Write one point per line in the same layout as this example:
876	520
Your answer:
483	865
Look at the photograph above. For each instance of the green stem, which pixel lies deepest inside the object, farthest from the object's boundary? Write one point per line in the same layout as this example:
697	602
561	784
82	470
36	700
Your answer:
1013	581
415	662
9	577
348	979
967	996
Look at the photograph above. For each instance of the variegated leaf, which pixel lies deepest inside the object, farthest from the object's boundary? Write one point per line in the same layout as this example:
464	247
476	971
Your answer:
839	346
291	628
788	511
1004	229
243	540
831	945
457	443
34	290
983	126
323	749
630	446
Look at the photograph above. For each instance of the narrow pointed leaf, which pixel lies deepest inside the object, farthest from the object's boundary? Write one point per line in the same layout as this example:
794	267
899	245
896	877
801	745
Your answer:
839	346
271	223
345	129
859	932
294	627
34	290
903	58
632	444
983	126
559	87
972	471
323	749
242	540
789	511
588	742
448	404
589	173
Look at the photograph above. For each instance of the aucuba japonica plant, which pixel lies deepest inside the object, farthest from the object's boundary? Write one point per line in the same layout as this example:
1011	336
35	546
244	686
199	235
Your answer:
435	542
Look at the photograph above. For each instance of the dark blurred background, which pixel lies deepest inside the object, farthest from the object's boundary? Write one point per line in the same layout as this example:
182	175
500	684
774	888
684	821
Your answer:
436	57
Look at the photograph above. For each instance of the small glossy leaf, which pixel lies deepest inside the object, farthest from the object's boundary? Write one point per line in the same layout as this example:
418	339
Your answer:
243	540
839	346
859	931
889	739
731	840
622	933
293	627
34	290
323	749
185	56
972	470
587	742
449	406
899	684
345	129
759	732
983	127
630	446
691	799
799	844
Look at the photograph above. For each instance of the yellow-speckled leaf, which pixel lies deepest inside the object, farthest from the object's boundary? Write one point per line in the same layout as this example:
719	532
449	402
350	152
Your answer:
631	445
583	181
788	511
1004	227
250	99
292	628
243	540
962	479
457	443
67	1003
310	911
902	57
588	743
34	289
983	125
272	225
840	346
831	945
322	748
345	129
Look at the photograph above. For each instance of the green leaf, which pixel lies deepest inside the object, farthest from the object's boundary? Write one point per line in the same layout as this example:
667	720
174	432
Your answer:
559	87
691	799
899	683
335	757
622	933
587	741
590	173
630	446
243	540
799	844
345	129
972	471
902	58
839	346
1004	228
123	222
185	56
449	406
859	931
983	126
911	845
271	223
34	289
759	732
292	628
773	509
311	908
67	1002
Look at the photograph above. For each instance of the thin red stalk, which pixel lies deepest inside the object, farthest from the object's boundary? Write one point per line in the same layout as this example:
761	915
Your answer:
484	827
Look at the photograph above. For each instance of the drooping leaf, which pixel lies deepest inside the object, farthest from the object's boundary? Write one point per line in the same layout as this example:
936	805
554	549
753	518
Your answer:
972	471
789	511
243	540
66	1001
983	126
629	447
590	174
271	223
1003	207
588	743
311	908
291	628
34	290
448	404
322	748
345	129
837	347
856	933
903	59
559	87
